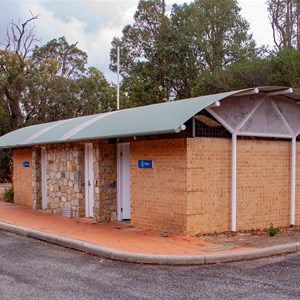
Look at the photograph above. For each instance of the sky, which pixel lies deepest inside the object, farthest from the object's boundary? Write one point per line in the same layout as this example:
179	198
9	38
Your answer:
94	23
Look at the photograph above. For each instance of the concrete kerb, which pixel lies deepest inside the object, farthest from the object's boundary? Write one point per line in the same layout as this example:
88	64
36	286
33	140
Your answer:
151	258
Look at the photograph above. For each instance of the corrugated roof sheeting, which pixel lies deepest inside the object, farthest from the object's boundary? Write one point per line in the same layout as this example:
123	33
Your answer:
152	119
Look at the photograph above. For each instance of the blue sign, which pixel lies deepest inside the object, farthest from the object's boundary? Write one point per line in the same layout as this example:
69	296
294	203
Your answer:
26	164
145	164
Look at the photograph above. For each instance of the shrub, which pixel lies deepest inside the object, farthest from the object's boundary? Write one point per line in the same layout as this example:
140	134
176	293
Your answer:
8	195
271	230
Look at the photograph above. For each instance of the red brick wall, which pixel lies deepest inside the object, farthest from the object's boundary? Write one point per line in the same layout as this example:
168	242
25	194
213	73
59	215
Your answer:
22	177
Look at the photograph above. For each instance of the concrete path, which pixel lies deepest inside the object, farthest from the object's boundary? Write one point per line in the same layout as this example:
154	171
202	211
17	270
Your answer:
120	241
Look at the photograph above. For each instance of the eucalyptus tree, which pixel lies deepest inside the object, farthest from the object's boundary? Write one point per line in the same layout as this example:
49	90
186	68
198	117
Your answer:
207	35
141	65
14	52
60	86
286	68
163	56
285	20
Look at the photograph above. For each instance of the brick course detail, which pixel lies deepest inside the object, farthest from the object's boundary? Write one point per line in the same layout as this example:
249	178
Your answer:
22	177
188	191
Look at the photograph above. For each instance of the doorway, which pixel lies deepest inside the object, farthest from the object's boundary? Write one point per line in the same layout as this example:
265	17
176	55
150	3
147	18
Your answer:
89	181
123	181
43	177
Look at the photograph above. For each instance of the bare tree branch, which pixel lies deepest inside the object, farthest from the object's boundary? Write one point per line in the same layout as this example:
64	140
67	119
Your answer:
20	38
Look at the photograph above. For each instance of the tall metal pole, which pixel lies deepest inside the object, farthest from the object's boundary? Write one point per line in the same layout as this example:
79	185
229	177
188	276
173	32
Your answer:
118	77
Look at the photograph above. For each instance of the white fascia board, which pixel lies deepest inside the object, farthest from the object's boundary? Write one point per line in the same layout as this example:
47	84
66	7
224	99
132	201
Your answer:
271	135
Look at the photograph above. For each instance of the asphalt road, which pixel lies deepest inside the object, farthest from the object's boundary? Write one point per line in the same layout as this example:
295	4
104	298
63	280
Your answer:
31	269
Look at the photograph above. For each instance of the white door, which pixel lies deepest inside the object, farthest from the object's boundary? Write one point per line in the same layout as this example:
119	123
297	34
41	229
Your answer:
89	181
43	177
123	181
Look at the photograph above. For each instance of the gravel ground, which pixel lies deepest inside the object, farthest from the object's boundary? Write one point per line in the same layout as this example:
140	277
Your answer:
255	238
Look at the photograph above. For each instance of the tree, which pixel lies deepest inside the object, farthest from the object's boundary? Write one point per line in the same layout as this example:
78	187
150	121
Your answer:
12	77
60	87
96	94
65	60
20	38
46	83
140	63
236	76
285	19
13	67
162	57
286	68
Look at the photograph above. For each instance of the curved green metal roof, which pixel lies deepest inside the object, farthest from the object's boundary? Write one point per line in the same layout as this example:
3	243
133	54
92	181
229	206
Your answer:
152	119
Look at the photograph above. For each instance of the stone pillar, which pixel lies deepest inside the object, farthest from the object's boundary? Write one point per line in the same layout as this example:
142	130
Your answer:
36	179
105	179
65	179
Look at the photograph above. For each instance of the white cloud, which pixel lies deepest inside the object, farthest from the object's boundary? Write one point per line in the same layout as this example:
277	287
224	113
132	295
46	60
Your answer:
94	23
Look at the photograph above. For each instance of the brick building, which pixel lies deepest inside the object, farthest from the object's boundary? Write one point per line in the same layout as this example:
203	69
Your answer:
208	164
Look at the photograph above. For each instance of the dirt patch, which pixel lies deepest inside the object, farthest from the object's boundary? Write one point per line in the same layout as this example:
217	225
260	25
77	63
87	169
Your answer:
258	239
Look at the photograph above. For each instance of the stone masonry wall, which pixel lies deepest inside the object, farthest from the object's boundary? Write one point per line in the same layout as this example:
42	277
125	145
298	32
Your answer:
36	179
65	178
105	177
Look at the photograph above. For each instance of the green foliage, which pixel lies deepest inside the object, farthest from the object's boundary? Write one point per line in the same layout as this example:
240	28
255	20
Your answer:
163	57
51	84
8	195
47	84
13	70
240	75
5	167
96	94
271	230
61	59
286	68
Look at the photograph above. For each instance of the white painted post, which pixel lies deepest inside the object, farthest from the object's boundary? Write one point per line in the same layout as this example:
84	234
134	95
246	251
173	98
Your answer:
118	77
233	184
293	181
43	177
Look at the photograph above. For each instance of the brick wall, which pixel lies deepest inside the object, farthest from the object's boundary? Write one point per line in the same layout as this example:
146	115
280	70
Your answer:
188	190
22	177
158	195
297	218
209	185
263	183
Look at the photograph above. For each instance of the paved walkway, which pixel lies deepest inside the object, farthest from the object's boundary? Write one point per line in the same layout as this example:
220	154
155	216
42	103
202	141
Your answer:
116	235
121	241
